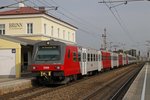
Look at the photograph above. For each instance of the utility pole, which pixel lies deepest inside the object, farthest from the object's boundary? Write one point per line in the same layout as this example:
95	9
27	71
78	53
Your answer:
110	46
104	39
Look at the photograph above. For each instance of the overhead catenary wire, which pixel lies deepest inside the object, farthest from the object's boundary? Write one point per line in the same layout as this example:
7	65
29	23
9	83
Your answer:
128	33
81	20
115	9
83	30
80	29
7	6
70	18
119	22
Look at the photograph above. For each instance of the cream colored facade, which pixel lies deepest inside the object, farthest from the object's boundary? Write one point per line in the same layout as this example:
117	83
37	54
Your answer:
6	44
45	25
35	26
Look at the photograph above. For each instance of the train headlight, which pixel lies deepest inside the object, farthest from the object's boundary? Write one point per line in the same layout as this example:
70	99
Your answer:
57	67
33	67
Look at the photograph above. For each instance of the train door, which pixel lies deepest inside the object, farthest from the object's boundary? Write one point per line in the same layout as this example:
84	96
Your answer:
112	60
120	60
99	61
84	61
117	59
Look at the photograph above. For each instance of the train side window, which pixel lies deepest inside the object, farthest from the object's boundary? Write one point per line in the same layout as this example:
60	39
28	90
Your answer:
103	58
79	56
91	57
88	57
99	57
69	53
94	57
109	57
74	56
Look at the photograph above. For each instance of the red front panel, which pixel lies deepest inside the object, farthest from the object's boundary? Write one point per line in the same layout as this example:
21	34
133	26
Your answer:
106	60
120	60
47	67
70	66
71	63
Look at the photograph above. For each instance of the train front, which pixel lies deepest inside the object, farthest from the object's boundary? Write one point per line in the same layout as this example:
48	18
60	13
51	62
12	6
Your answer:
47	62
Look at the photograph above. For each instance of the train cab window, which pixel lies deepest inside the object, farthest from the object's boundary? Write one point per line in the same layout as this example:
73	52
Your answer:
74	56
48	53
79	56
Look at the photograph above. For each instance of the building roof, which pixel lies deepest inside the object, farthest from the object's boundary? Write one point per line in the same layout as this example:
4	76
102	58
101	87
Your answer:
21	10
27	11
22	41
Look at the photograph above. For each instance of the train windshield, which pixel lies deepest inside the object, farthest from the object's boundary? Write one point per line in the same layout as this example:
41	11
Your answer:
48	53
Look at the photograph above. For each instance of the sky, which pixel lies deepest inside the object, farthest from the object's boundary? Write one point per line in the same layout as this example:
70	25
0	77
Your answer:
129	29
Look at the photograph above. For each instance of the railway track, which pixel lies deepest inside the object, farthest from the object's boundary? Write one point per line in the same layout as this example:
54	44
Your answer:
36	91
123	89
69	89
115	88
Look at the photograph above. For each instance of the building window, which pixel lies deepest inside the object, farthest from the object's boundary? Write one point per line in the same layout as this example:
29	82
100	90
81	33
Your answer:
68	35
58	32
72	36
52	30
30	28
2	29
63	34
44	28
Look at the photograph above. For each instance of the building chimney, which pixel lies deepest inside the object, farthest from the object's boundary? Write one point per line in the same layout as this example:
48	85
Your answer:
21	3
42	9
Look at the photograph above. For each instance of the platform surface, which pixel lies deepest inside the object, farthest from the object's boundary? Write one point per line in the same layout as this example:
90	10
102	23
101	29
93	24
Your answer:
140	88
8	85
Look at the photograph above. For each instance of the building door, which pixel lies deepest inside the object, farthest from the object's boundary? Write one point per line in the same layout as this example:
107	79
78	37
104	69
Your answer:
26	56
7	62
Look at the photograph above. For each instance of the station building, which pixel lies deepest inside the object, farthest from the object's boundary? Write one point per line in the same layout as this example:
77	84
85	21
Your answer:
20	29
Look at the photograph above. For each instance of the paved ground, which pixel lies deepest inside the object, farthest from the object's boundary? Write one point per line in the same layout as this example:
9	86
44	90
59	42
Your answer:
140	89
8	85
6	79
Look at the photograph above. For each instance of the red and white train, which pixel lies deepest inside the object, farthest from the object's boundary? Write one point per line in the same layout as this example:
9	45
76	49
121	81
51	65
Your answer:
56	62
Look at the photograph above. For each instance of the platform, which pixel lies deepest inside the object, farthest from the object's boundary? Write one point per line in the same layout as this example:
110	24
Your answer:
8	85
140	88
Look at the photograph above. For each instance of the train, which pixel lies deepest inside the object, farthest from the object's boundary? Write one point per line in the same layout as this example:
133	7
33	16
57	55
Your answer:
56	62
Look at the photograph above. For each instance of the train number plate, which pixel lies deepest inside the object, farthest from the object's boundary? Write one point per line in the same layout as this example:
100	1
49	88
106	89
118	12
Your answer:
48	73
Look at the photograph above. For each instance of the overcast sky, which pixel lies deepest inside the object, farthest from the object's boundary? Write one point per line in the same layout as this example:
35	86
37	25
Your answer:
91	18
